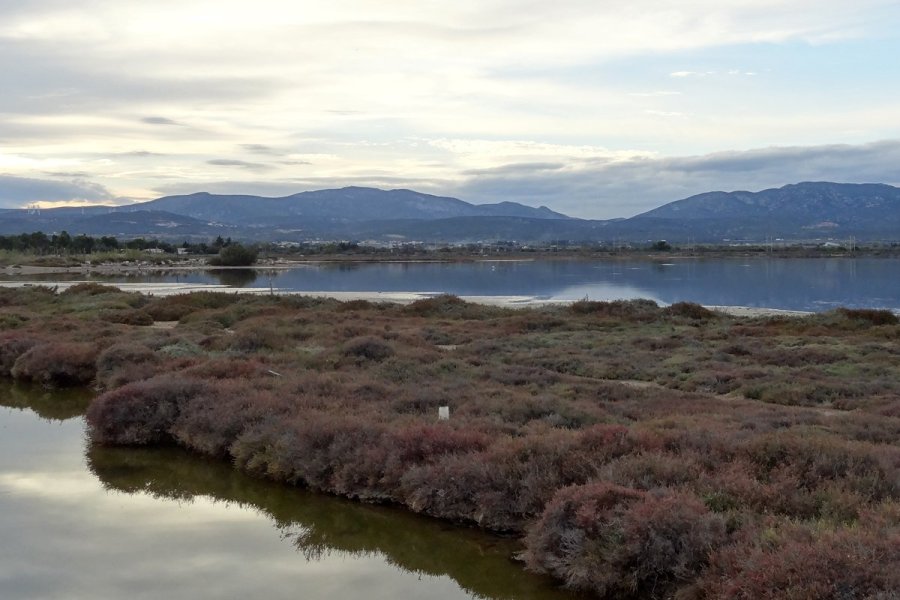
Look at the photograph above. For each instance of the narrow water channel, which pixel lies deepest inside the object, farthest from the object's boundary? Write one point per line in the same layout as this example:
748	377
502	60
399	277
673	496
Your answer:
82	522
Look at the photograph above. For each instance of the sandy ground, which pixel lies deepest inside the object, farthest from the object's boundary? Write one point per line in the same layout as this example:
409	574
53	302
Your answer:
168	289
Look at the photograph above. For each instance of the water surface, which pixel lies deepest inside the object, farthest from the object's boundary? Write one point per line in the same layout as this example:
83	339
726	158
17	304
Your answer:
80	522
812	284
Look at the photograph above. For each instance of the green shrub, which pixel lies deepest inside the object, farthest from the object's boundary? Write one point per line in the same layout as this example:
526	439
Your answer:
234	255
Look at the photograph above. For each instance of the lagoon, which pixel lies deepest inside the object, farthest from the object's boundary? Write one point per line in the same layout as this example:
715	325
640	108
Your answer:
84	522
801	284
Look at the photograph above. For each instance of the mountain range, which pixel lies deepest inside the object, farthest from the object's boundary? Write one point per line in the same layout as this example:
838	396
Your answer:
803	211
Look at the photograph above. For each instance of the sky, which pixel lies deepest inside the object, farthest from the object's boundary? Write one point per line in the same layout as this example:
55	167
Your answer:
593	108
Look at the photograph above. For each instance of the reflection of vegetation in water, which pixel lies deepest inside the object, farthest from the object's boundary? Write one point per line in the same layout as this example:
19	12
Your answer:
234	277
50	404
318	525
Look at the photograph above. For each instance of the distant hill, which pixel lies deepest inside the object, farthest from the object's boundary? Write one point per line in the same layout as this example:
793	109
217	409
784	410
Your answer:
810	209
350	204
103	221
803	211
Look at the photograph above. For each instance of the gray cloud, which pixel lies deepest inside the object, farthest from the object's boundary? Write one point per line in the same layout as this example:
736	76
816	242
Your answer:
16	192
516	169
139	154
260	149
228	162
68	174
159	121
62	79
603	188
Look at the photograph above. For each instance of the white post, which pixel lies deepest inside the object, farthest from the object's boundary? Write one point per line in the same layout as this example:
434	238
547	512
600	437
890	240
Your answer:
443	413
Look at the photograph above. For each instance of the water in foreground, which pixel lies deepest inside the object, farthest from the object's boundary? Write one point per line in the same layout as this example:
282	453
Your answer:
83	522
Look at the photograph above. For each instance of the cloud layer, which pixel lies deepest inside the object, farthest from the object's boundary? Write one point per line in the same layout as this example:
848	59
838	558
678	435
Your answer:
591	108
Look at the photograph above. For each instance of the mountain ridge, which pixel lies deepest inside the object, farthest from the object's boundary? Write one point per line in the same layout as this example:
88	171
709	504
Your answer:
801	211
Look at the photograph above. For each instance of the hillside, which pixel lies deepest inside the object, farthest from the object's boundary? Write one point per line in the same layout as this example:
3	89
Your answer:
805	211
350	204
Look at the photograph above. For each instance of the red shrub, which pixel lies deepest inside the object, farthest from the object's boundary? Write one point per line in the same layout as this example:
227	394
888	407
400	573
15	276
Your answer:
610	540
368	348
793	562
127	316
504	486
870	316
211	420
142	412
14	344
62	364
126	362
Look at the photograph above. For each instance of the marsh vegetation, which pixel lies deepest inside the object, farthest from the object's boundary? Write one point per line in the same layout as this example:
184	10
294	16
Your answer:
637	451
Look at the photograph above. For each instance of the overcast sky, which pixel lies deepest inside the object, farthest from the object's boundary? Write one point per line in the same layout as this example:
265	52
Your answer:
596	109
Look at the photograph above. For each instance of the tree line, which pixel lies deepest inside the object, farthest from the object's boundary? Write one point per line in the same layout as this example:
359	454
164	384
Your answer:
64	243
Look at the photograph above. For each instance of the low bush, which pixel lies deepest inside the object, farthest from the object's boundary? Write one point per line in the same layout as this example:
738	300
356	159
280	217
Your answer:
125	362
871	316
128	316
90	288
368	348
689	310
617	541
637	310
141	413
792	561
57	364
12	346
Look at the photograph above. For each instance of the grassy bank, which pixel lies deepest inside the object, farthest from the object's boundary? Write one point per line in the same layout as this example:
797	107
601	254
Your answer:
637	451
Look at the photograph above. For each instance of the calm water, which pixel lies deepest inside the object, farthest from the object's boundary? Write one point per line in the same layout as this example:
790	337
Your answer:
78	522
796	284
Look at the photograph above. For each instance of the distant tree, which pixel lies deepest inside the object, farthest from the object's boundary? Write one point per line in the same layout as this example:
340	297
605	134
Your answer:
234	255
661	246
63	241
108	242
83	244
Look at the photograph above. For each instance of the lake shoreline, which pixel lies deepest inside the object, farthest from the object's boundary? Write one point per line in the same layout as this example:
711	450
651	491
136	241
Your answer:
162	290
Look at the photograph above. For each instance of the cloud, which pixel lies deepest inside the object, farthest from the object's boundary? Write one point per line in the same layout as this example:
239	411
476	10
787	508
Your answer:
603	188
159	121
228	162
260	149
381	93
139	154
17	192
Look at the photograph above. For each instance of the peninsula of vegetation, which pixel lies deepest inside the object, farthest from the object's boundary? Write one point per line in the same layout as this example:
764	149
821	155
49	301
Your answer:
636	451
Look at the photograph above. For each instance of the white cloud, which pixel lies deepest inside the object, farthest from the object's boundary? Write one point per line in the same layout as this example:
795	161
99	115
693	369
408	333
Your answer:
139	97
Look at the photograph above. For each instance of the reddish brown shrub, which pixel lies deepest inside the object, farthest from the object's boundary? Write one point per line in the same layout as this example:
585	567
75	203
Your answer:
870	316
510	482
140	413
14	344
637	310
368	348
128	316
781	563
611	540
90	288
258	339
126	362
62	364
211	420
689	310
